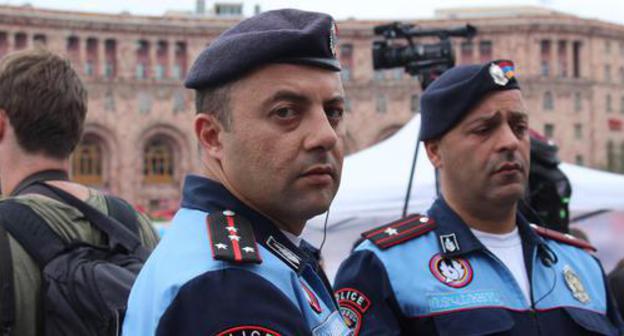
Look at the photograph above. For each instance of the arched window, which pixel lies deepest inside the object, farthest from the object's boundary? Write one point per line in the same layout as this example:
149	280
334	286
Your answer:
611	156
87	164
158	163
549	101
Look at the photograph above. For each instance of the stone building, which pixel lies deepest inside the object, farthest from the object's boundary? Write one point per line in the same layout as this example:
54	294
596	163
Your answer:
139	143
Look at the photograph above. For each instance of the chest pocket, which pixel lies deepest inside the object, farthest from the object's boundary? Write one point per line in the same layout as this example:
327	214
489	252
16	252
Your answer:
592	322
475	322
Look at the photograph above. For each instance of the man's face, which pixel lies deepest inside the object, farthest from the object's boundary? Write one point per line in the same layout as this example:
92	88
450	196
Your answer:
485	158
283	152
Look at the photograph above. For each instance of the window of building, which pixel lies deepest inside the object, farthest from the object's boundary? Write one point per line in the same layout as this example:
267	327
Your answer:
379	75
380	104
621	72
578	159
562	56
109	101
4	44
621	48
485	51
73	50
142	60
397	73
576	59
607	73
179	102
622	104
578	131
21	41
40	39
87	164
549	101
578	102
610	155
545	57
162	59
607	46
467	52
346	61
91	58
549	131
158	161
110	55
415	103
225	9
608	103
145	102
179	63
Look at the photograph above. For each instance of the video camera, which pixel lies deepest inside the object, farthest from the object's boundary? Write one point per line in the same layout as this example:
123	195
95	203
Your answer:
427	61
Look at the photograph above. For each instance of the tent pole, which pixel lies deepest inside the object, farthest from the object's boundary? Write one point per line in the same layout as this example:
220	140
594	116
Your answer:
411	179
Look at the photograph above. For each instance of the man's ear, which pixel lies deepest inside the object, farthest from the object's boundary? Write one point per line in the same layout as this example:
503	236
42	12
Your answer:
433	152
208	132
4	120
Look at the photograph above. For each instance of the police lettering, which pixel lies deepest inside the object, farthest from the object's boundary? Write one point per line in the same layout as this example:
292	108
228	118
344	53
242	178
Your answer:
353	297
248	331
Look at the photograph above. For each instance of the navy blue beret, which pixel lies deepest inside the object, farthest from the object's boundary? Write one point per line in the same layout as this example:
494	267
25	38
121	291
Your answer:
280	36
447	100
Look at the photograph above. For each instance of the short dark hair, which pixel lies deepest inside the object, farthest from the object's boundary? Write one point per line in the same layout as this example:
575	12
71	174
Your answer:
45	101
215	101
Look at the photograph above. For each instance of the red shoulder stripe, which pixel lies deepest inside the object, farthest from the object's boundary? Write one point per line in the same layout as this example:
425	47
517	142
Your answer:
563	238
399	231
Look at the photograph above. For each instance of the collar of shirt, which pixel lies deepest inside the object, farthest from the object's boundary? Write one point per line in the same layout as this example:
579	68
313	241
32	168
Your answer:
451	226
201	193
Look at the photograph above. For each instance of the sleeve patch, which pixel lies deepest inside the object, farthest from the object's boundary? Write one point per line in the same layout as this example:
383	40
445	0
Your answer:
248	331
400	231
354	298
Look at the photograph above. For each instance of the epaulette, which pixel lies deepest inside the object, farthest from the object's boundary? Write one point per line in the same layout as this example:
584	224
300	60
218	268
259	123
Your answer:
400	231
232	238
563	238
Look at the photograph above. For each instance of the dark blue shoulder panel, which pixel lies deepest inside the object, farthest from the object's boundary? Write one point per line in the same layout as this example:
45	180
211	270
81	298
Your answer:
231	300
365	296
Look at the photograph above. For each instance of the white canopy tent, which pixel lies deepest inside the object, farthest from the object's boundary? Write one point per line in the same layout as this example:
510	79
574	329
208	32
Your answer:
374	183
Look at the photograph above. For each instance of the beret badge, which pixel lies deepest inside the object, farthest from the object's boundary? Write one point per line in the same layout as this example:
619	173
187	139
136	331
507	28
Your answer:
501	72
333	38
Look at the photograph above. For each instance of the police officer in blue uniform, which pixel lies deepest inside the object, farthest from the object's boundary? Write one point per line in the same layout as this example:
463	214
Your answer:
270	131
473	265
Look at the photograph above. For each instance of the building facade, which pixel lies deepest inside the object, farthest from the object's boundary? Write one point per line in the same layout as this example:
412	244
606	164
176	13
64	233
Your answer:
138	140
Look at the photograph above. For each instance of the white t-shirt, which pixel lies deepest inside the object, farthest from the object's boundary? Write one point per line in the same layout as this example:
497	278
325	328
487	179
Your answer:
293	239
507	248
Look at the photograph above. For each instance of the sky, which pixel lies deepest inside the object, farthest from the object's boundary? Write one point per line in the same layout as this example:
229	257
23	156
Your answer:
607	10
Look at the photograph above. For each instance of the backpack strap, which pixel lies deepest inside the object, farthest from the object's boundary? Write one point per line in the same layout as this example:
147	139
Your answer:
31	231
7	295
400	231
123	212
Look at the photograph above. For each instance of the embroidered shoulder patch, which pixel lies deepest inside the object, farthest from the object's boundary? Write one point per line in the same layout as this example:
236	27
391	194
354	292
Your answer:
400	231
248	331
232	238
563	238
353	305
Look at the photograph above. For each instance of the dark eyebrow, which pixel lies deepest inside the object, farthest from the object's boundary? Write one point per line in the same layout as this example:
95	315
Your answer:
484	119
335	100
287	96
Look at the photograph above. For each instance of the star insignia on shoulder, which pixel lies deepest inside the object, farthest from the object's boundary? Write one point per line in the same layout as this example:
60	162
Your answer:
249	249
221	246
391	231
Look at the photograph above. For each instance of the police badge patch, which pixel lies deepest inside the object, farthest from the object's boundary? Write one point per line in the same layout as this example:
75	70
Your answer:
333	38
353	304
454	272
248	331
575	285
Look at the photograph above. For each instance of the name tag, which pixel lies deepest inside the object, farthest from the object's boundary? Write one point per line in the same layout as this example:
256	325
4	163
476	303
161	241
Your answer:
453	301
334	325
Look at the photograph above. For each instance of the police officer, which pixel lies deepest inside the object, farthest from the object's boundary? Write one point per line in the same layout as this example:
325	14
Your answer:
474	265
270	129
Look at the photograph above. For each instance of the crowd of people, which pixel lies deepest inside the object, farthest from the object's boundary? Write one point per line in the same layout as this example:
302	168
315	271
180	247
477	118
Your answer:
270	130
